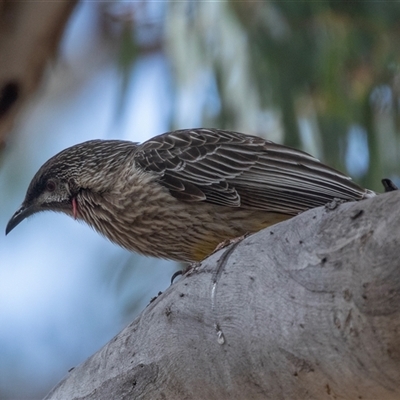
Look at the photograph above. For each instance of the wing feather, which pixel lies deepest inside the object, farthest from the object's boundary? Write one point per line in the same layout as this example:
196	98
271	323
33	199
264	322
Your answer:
237	170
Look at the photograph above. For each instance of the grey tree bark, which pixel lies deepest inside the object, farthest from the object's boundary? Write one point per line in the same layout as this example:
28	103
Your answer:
306	309
29	35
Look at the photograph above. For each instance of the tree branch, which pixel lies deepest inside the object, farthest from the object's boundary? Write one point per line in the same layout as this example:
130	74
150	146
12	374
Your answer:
307	309
29	35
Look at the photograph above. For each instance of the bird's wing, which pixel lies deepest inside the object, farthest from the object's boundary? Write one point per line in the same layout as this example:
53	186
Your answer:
237	170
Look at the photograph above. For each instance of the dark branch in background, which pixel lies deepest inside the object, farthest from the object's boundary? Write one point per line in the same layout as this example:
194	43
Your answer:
307	309
9	94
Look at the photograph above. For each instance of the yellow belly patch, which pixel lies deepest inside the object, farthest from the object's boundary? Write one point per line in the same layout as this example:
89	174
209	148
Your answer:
205	247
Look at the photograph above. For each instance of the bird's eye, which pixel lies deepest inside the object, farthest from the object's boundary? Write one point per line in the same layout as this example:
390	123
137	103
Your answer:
51	186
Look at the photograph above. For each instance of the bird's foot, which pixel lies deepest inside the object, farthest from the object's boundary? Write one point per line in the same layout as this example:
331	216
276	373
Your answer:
186	271
335	203
195	265
228	242
175	275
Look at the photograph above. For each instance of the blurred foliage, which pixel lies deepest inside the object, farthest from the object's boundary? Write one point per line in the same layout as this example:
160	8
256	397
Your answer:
302	73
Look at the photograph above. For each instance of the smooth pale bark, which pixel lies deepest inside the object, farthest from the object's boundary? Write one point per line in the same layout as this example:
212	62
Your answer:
29	35
307	309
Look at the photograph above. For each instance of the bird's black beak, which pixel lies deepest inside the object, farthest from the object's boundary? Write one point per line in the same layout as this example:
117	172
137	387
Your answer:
19	216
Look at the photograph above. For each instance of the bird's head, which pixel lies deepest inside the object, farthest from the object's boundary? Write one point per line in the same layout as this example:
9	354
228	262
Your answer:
88	166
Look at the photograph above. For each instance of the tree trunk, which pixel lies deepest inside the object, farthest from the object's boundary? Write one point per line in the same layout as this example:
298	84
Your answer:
29	35
306	309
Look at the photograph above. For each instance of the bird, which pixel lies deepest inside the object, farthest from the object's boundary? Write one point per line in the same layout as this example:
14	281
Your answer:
180	194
